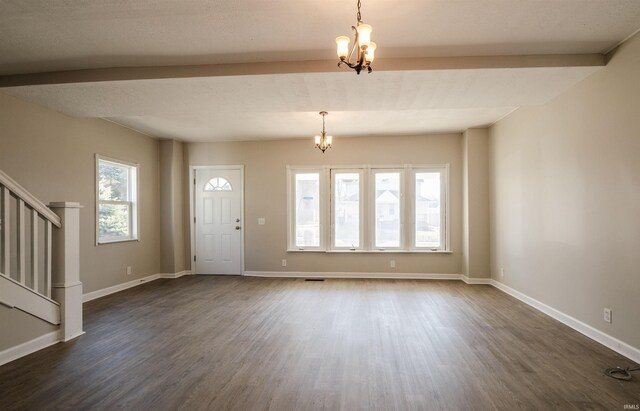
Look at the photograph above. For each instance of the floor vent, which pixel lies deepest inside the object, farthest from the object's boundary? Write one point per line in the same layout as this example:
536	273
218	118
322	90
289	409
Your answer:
314	279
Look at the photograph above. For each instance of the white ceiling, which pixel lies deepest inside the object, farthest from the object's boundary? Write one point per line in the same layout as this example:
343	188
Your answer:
42	35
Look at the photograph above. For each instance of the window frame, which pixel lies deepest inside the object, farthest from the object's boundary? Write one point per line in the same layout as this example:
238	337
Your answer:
372	205
367	208
133	191
443	170
362	195
291	207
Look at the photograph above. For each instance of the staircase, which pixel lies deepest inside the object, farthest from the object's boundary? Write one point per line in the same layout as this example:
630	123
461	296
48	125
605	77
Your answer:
39	259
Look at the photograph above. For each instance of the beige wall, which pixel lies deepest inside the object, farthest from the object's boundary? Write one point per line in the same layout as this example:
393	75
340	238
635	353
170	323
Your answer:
52	156
566	198
19	327
266	193
181	260
167	256
475	203
172	207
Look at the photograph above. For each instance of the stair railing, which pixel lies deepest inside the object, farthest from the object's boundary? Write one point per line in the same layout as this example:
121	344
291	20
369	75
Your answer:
28	237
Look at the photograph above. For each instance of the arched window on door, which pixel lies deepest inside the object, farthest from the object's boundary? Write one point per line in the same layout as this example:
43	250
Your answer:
218	184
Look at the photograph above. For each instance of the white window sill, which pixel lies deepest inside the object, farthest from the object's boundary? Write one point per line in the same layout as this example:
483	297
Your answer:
372	251
127	240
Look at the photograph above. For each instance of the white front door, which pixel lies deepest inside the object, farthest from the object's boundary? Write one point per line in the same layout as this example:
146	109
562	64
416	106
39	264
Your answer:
218	221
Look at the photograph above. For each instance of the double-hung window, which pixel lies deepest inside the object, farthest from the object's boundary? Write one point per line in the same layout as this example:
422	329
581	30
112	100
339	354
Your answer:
117	200
388	204
368	208
306	205
429	215
346	209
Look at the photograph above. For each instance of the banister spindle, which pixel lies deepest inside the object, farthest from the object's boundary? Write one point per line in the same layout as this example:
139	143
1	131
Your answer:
34	250
21	243
6	231
48	227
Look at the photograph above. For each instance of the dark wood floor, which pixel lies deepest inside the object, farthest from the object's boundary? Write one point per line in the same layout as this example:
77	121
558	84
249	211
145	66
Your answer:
229	343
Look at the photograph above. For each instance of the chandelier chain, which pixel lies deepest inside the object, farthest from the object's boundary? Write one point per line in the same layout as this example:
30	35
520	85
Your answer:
359	15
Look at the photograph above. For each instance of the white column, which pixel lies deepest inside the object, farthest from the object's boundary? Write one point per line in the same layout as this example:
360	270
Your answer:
66	285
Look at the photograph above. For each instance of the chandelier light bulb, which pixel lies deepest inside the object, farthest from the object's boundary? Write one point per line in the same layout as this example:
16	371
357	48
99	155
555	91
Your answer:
364	35
369	55
343	46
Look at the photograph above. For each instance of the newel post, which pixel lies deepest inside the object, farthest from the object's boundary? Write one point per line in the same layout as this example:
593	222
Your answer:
66	285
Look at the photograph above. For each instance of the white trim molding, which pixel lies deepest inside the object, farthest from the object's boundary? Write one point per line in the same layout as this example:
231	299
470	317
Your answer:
17	295
175	275
608	341
130	284
475	281
387	276
29	347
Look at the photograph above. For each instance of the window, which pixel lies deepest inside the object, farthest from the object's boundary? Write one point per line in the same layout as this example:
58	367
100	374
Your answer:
388	206
372	209
218	184
307	210
116	208
428	212
346	210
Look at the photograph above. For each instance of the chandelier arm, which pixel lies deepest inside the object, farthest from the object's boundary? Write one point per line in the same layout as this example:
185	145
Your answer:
355	44
350	65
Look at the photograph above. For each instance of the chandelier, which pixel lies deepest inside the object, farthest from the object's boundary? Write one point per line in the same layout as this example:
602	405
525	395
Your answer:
323	141
365	47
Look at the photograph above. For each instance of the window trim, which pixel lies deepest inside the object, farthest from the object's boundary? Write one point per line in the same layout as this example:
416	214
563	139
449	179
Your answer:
291	207
367	226
362	195
134	196
372	204
444	210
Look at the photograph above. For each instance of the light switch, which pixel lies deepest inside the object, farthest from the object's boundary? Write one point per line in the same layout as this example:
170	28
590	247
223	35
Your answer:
261	221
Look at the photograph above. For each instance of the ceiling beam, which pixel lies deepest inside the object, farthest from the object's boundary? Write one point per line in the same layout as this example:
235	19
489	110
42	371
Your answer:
312	66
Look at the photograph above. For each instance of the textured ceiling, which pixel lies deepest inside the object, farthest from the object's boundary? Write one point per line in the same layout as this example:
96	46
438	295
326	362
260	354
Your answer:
286	105
43	35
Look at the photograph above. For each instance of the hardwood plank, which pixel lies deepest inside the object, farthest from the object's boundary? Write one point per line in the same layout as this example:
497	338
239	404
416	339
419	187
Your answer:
234	343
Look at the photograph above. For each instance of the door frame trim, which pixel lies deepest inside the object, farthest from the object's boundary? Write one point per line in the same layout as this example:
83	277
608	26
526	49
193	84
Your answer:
192	210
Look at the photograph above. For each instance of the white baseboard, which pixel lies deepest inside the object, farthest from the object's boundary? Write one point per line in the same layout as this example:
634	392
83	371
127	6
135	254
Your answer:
130	284
613	343
18	351
71	337
389	276
471	280
175	275
118	287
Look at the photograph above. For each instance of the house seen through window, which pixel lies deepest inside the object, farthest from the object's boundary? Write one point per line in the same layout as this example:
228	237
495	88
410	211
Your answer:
368	208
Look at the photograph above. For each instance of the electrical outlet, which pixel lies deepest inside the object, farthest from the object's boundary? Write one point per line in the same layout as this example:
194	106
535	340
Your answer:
501	272
262	221
129	270
392	263
284	262
607	315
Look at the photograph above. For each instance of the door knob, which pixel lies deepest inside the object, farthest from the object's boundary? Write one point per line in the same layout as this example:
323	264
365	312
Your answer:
237	220
237	227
